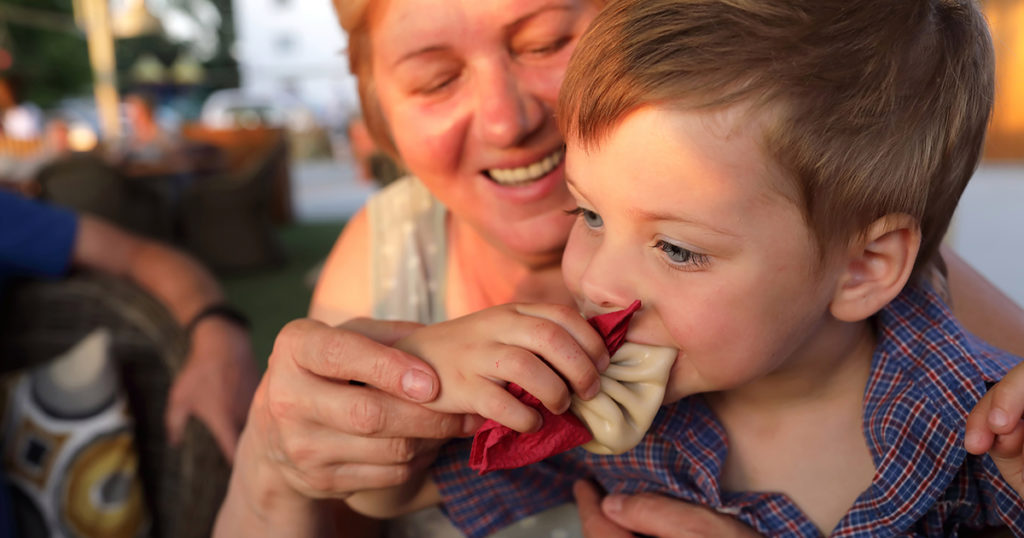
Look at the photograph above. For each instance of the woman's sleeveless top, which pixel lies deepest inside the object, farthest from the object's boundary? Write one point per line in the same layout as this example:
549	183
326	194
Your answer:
408	257
408	253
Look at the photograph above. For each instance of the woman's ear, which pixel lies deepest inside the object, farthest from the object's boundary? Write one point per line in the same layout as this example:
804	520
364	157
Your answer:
876	267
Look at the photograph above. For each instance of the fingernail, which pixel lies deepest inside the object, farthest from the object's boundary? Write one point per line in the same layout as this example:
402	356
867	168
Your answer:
998	418
612	504
592	390
603	363
417	385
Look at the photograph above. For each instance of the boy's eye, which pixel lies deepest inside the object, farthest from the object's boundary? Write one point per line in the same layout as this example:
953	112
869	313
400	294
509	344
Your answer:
681	256
590	218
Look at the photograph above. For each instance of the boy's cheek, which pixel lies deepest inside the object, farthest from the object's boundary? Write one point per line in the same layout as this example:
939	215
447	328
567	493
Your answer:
574	261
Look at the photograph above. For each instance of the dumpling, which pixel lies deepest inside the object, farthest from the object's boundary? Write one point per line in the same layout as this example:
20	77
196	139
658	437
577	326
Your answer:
632	389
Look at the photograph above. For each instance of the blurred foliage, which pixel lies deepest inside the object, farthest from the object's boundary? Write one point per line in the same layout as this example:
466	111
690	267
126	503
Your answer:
50	65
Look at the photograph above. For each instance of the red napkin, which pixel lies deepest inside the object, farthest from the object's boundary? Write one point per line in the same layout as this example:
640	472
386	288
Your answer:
498	447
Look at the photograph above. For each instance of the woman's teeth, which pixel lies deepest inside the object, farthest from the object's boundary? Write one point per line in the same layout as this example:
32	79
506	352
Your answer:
528	173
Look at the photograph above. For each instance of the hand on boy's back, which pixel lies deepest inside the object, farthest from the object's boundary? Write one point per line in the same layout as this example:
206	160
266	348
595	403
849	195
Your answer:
539	347
995	426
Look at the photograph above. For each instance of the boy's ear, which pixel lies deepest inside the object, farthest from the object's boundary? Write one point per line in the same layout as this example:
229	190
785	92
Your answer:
876	267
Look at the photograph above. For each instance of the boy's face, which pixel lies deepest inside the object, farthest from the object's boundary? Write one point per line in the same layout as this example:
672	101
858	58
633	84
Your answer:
682	210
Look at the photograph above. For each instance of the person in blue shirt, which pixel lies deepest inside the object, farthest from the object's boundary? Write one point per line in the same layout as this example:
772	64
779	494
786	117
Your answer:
219	376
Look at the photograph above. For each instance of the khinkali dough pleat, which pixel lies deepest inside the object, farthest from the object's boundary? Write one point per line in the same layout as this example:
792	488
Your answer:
632	389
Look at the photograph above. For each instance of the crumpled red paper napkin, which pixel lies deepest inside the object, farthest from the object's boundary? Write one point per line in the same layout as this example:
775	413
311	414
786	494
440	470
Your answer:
498	447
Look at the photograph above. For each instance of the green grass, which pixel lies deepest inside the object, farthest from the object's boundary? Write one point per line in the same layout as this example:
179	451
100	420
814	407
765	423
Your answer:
272	298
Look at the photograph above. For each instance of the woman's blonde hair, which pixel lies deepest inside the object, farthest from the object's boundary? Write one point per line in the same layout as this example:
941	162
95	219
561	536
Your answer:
354	16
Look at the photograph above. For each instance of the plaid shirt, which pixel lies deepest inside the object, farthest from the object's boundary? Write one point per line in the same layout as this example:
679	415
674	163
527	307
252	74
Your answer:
926	375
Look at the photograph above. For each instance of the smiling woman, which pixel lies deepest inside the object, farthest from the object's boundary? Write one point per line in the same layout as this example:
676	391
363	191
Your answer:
463	92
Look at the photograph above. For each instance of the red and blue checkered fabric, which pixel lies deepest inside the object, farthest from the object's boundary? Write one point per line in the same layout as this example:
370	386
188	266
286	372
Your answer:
926	375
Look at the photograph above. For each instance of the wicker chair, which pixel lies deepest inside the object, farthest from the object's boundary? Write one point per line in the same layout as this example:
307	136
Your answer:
85	182
226	219
183	485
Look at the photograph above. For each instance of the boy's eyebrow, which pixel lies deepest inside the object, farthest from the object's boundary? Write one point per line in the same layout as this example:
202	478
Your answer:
644	214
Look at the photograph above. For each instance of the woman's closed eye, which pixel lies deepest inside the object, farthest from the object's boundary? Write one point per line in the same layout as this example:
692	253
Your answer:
680	257
544	48
590	218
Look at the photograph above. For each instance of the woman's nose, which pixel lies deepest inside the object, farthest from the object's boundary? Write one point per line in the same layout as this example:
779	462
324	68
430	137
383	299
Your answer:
507	111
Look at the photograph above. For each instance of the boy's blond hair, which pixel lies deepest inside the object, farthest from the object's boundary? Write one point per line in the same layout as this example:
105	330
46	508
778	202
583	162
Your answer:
873	107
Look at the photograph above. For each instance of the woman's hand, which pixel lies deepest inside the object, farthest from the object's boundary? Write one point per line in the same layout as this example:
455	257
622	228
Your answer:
995	426
620	516
313	435
539	347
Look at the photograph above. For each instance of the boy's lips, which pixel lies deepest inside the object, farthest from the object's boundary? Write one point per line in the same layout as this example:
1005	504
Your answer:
522	175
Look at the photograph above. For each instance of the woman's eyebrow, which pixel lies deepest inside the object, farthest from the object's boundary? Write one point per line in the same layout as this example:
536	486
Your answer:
430	49
562	6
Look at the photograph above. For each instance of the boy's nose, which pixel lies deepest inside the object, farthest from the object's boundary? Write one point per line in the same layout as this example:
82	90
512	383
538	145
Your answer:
607	284
507	112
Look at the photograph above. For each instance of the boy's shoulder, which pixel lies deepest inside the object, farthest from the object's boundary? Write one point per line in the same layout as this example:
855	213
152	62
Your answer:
920	341
927	373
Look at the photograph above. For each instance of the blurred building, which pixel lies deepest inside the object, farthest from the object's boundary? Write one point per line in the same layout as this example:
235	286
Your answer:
295	48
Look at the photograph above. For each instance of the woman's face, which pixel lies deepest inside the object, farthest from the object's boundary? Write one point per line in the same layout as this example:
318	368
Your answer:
468	88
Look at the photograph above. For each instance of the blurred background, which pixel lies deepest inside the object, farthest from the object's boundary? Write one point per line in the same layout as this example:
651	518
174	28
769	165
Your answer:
231	128
223	127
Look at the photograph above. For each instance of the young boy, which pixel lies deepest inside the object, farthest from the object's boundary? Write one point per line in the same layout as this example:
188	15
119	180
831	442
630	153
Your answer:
772	181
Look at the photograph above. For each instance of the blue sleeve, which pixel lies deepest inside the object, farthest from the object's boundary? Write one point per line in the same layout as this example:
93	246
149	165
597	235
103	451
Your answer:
6	510
479	505
36	239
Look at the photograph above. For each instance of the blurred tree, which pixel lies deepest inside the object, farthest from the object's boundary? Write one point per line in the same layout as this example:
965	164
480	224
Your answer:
51	61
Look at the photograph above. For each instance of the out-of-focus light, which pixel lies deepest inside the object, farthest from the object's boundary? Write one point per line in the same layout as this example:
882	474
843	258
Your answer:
6	60
81	137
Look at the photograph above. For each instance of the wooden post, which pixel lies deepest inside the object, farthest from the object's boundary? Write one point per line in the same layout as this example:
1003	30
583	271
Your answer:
104	68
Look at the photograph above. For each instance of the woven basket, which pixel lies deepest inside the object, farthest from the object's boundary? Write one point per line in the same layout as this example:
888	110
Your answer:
39	320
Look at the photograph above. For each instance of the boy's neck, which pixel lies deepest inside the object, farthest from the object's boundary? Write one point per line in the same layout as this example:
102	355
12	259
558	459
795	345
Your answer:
801	432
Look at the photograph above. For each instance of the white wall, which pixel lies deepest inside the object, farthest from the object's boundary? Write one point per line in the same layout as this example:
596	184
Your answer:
314	64
988	229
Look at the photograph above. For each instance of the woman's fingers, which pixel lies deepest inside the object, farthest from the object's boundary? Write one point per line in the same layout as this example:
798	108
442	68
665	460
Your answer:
341	480
656	515
344	355
592	519
363	411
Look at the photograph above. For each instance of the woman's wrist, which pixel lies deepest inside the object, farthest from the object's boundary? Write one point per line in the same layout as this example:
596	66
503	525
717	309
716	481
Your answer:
260	501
